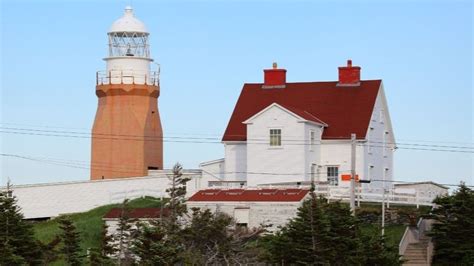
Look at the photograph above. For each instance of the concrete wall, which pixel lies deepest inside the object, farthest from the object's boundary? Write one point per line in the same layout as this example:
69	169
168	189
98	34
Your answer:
268	213
53	199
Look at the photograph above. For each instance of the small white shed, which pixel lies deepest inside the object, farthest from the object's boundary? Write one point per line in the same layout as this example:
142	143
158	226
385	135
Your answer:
426	189
252	207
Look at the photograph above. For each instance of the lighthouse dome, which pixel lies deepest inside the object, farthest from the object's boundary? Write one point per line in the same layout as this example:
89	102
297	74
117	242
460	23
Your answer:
128	23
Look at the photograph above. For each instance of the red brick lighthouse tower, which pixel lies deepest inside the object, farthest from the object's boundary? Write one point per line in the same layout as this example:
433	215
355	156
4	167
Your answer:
127	135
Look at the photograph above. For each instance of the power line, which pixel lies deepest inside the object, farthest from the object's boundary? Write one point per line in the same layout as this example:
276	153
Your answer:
419	149
408	182
70	134
81	164
318	173
217	136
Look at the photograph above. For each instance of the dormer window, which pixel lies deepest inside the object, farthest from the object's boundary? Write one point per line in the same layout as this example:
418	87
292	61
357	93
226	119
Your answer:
312	139
275	137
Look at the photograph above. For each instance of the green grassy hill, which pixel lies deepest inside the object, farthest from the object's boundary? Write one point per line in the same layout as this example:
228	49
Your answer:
89	224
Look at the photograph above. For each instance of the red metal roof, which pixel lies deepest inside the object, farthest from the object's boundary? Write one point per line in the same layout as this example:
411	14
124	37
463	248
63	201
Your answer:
138	213
303	114
346	109
249	195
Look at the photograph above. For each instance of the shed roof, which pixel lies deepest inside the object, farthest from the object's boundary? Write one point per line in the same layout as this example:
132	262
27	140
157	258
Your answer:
279	195
421	183
137	213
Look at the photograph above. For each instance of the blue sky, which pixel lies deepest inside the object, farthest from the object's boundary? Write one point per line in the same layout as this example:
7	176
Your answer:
50	51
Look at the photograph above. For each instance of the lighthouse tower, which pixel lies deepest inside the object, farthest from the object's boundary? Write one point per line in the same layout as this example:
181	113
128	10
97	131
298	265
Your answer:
127	138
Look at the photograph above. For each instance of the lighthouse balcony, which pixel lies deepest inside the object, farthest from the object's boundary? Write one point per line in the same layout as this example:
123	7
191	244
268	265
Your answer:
128	77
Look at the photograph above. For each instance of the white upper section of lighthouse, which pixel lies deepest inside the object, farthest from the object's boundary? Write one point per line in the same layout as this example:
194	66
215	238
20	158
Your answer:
128	23
129	58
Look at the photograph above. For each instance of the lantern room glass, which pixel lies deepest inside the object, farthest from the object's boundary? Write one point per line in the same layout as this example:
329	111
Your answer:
129	44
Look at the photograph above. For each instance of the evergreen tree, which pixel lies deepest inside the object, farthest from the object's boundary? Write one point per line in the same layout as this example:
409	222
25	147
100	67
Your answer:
374	250
17	243
343	234
49	251
102	255
123	237
106	248
95	258
71	241
211	239
160	242
153	247
177	193
206	238
8	256
326	233
453	230
308	233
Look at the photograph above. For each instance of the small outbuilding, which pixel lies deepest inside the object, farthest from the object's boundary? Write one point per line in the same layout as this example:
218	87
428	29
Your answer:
144	215
427	189
252	207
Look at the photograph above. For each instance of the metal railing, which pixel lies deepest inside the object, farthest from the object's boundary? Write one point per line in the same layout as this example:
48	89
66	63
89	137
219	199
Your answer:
128	77
408	237
365	194
415	234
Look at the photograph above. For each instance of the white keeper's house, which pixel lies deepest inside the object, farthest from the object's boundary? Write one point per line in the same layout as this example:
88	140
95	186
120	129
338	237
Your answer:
292	132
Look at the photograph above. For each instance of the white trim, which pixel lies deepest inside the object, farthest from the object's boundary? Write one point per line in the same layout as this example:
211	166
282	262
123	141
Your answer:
230	142
270	138
340	141
249	121
388	120
212	162
420	183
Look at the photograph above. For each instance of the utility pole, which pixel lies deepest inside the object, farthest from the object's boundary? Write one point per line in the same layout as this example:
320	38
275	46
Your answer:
383	211
353	172
359	191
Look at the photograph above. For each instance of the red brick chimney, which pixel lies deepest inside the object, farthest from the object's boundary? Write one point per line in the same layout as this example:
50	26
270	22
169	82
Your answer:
349	75
274	78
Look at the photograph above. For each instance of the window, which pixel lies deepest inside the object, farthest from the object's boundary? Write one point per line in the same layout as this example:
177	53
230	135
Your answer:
369	142
241	226
313	172
385	145
312	138
275	137
333	175
369	172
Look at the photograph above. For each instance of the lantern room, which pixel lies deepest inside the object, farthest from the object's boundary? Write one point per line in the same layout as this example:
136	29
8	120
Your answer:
129	58
128	36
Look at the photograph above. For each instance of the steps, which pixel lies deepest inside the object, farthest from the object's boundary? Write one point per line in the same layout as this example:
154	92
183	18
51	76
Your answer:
416	253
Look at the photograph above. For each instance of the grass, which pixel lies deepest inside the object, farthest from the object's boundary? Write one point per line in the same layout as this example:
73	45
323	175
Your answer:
88	224
393	233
